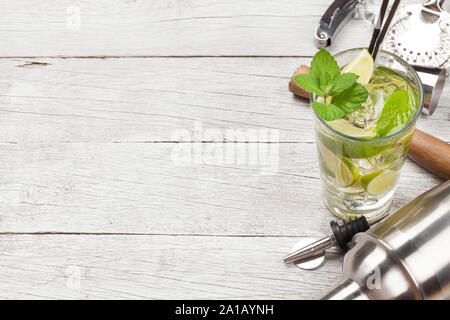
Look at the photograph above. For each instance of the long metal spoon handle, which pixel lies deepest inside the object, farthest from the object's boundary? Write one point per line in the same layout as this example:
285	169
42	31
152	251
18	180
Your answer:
385	28
376	30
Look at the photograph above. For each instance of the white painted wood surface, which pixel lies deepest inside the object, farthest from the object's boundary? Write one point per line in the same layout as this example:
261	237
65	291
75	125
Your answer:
168	28
93	203
157	267
148	99
163	27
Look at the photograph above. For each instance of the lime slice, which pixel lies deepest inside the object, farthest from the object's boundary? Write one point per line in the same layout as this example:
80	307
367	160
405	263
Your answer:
347	128
344	171
393	154
379	182
363	66
355	188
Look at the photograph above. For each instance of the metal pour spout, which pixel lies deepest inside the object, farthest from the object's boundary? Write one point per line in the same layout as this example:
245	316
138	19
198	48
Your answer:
340	237
310	250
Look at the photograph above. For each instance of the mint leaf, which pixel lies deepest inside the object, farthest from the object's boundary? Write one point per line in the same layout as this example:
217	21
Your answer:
327	111
309	83
396	113
342	83
351	99
323	62
325	82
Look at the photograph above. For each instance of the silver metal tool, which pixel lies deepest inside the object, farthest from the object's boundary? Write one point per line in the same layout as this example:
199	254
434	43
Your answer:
311	262
380	34
405	256
340	236
309	254
339	12
330	23
420	34
433	80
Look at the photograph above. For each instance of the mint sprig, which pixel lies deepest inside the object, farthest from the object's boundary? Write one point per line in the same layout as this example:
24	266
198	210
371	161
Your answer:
326	80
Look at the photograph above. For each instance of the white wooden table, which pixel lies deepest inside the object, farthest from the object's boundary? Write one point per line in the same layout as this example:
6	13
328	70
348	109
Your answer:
95	99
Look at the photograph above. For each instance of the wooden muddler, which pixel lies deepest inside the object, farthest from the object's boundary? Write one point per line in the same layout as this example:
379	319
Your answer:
429	152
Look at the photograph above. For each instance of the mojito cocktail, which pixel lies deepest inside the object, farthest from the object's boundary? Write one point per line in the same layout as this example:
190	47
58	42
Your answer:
363	130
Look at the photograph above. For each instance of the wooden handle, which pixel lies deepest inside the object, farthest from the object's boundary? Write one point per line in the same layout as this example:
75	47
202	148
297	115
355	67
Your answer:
294	87
431	153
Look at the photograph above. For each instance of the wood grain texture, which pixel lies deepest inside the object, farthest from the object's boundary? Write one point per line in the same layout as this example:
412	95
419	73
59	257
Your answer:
166	28
156	267
96	200
431	153
130	100
139	188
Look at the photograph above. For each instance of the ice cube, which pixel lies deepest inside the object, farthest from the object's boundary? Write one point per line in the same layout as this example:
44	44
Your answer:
368	114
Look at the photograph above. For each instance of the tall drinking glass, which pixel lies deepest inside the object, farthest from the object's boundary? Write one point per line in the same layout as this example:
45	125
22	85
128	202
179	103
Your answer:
359	175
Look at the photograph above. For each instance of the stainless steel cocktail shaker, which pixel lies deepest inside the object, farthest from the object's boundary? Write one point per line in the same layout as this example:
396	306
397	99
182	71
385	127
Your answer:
406	256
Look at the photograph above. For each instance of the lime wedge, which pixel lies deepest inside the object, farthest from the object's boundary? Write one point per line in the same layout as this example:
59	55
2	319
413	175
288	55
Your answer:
363	66
344	171
347	128
379	182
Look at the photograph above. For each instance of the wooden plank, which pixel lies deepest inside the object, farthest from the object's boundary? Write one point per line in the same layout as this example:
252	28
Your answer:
167	27
88	150
156	267
122	100
147	188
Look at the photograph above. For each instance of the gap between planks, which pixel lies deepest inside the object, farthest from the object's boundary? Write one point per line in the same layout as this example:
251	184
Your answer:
43	233
158	57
